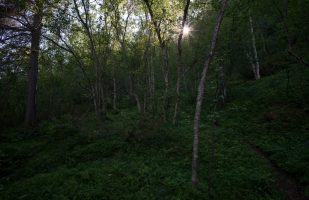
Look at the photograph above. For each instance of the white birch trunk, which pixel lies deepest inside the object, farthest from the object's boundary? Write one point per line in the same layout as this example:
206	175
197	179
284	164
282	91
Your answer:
201	92
256	58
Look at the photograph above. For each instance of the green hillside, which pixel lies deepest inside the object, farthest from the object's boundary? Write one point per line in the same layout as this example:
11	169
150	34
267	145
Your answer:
132	158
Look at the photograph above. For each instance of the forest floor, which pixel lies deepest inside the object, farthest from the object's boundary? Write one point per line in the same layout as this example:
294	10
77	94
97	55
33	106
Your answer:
258	148
287	184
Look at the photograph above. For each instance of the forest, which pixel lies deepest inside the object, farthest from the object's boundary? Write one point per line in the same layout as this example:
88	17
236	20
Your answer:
154	99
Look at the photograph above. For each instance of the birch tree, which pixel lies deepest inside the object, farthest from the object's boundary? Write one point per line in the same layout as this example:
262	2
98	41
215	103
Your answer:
180	63
83	14
255	62
156	21
201	92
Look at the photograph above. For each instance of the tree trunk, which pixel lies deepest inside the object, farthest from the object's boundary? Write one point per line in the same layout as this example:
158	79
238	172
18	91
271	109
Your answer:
201	91
30	117
145	103
175	118
256	58
138	103
99	90
135	95
164	55
253	66
180	64
99	101
221	88
152	84
265	48
166	80
115	94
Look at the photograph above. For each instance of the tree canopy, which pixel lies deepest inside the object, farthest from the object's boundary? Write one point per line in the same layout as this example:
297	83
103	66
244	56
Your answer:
170	62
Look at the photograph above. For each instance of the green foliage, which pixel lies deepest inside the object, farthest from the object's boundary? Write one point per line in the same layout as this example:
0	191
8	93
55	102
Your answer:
73	154
81	158
11	103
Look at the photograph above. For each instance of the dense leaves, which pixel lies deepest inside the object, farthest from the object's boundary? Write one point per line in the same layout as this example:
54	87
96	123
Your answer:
111	76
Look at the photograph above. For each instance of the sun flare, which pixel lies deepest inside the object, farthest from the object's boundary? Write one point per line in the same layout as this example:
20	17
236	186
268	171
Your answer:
186	30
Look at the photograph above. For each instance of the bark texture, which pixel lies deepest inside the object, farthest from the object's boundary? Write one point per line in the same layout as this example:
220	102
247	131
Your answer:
31	115
256	62
201	92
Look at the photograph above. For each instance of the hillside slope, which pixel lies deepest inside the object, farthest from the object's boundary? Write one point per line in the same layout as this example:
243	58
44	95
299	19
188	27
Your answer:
133	158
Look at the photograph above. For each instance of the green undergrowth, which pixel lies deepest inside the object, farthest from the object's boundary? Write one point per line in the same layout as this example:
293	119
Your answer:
273	114
133	157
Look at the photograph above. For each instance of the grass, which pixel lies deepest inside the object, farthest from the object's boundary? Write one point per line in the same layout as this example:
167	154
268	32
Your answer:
81	158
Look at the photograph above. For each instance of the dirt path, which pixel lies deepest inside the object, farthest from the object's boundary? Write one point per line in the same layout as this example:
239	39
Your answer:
285	183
